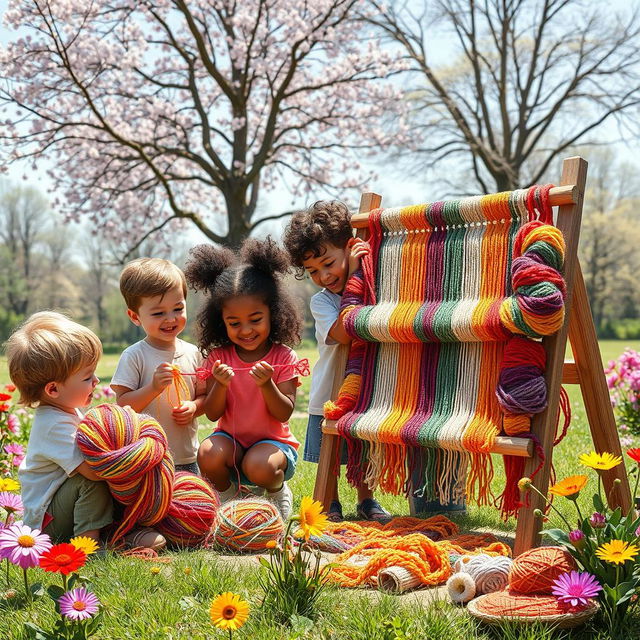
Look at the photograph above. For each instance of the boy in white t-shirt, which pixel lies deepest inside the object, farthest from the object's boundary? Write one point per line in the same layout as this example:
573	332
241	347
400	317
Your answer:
52	361
320	242
155	291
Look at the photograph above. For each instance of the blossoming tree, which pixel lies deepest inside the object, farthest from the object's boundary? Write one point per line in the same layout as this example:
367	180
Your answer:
157	111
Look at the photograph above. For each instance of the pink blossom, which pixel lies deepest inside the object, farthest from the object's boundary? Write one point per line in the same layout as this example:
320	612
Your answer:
23	545
597	521
14	449
107	391
13	424
576	588
78	604
16	461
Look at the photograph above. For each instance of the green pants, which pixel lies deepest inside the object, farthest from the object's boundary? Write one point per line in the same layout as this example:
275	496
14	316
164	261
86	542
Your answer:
79	505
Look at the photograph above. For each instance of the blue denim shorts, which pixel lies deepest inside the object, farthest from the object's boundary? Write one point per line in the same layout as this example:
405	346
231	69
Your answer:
289	451
314	439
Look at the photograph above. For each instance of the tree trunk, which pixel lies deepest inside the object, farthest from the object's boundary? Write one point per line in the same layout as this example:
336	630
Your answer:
238	217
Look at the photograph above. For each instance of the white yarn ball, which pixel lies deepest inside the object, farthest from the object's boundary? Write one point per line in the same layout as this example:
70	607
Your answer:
461	587
490	573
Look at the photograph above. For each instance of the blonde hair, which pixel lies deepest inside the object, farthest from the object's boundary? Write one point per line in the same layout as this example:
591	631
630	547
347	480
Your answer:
147	278
48	347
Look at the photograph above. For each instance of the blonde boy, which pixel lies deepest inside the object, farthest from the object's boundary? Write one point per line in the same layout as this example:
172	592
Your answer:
155	292
52	361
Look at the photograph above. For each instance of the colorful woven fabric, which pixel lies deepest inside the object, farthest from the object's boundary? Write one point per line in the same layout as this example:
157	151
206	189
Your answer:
443	290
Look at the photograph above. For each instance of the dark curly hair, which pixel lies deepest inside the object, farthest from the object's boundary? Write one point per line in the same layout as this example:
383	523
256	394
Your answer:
325	222
257	272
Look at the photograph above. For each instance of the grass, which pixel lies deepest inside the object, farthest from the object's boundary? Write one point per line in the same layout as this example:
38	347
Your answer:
174	606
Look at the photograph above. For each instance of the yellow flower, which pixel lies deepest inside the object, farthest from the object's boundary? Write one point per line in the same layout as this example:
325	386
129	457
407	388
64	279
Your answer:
617	551
569	487
600	461
187	571
229	611
271	544
155	571
524	484
9	484
84	543
312	521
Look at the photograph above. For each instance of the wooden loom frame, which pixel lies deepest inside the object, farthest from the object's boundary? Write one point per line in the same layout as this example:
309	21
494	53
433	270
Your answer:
585	370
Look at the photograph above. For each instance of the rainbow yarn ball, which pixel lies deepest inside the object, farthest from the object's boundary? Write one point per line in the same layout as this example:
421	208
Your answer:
535	570
192	512
247	525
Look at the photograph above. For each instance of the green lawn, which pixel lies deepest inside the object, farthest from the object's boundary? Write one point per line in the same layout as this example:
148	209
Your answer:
173	605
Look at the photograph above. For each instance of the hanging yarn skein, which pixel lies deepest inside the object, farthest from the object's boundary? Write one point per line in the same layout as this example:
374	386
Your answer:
130	452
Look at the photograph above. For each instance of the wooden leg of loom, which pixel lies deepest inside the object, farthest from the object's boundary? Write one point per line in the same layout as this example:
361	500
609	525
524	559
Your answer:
327	473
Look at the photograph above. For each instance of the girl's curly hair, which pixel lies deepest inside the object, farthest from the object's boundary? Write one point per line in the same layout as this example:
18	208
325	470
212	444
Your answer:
257	272
325	222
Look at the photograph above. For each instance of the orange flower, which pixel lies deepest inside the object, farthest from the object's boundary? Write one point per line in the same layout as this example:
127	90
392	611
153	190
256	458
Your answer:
569	487
63	558
10	387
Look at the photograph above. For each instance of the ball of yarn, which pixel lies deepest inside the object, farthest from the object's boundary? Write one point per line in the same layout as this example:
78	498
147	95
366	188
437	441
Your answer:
510	604
247	525
461	587
489	573
192	512
129	451
536	307
535	570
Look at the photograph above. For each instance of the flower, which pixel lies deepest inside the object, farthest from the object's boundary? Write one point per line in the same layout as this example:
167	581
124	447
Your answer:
84	543
461	587
271	544
13	424
569	487
634	454
576	538
575	588
63	558
155	570
14	449
10	502
4	408
9	484
23	545
600	461
524	484
638	532
187	571
229	611
10	387
617	551
312	521
4	397
78	604
597	521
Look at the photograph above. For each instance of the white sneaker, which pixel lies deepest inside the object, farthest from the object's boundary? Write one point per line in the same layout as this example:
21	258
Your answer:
283	499
229	494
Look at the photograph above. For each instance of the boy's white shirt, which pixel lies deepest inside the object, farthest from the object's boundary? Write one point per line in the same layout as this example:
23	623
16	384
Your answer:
135	369
52	457
325	308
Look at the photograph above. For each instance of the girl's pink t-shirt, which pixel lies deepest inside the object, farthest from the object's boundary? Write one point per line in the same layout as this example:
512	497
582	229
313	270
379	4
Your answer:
246	417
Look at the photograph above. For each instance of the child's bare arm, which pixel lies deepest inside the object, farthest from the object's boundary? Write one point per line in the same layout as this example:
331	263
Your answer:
139	399
215	400
280	399
85	470
359	248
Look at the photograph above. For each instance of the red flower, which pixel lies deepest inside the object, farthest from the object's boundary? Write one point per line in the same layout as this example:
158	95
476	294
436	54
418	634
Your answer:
10	387
4	407
634	454
4	396
63	558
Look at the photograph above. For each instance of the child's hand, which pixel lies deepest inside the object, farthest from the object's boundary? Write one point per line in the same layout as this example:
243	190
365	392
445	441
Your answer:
222	373
357	250
261	373
183	414
162	377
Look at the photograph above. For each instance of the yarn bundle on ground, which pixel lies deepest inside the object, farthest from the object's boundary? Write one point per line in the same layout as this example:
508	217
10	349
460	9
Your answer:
489	573
130	452
535	570
192	512
248	525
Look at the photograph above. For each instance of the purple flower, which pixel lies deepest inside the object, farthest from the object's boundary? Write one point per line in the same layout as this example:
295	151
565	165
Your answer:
23	545
10	502
78	604
575	588
14	449
577	538
597	521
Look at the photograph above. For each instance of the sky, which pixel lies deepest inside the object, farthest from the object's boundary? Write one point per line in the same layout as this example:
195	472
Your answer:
387	180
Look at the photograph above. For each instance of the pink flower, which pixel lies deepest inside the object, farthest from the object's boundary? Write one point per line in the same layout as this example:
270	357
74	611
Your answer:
107	391
577	538
14	449
78	604
16	461
23	545
638	532
13	424
10	502
597	521
575	588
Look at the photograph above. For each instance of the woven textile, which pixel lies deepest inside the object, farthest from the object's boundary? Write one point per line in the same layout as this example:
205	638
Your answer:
445	287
